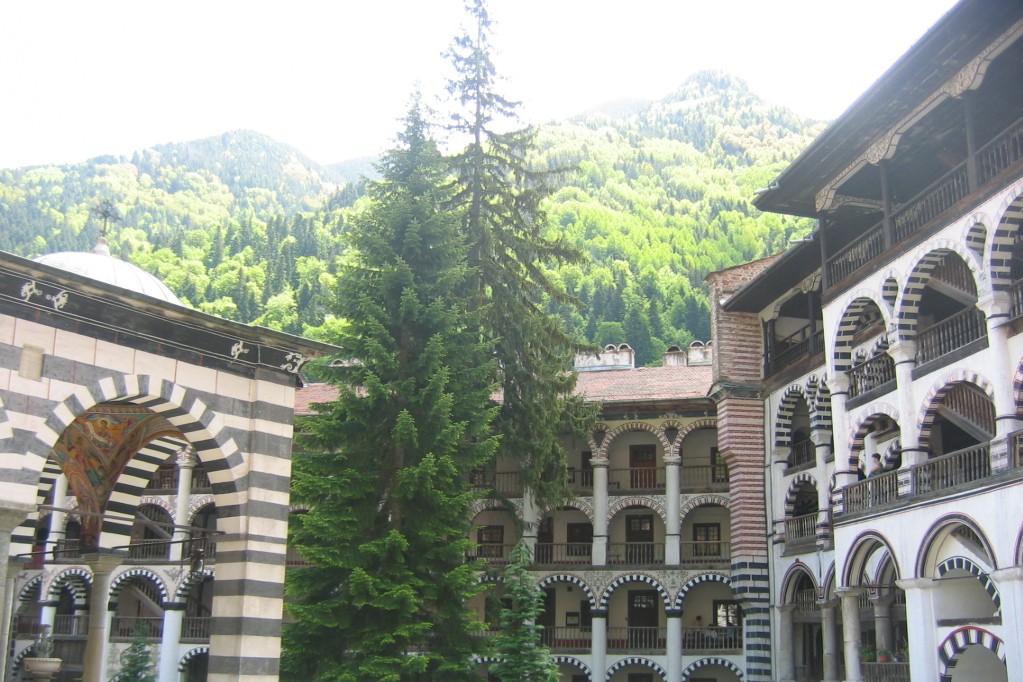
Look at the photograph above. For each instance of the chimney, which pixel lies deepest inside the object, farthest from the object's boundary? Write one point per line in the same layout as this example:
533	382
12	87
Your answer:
612	357
701	354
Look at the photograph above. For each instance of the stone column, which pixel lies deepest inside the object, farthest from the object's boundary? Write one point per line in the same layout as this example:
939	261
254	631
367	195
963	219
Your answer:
829	637
783	655
850	597
996	306
845	470
599	465
186	465
1009	582
903	352
102	565
920	622
58	518
672	508
173	615
884	634
12	515
530	522
13	568
598	644
673	635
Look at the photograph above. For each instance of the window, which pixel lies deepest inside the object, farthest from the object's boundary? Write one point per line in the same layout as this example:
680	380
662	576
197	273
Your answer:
719	471
585	617
727	613
580	539
707	539
491	541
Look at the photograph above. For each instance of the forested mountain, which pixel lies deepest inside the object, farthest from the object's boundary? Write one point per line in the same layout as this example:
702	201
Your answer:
658	194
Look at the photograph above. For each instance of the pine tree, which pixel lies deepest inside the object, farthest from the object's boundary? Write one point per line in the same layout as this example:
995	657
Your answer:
387	472
499	196
519	648
137	659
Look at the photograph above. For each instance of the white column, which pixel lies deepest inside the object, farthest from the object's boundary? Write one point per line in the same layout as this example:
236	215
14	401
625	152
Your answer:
920	622
599	465
1009	582
58	518
173	615
530	522
883	623
8	613
102	566
186	465
851	631
674	644
786	665
672	509
845	472
829	637
12	515
598	643
904	354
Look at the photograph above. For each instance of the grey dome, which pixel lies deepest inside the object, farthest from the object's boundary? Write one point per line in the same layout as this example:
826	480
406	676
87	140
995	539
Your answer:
101	266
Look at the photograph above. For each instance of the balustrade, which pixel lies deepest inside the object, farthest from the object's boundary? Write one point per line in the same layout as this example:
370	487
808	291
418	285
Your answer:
804	452
884	672
71	624
950	334
626	638
564	553
128	627
806	601
1000	153
506	483
876	491
874	373
148	550
195	628
801	529
620	553
783	352
566	637
712	638
704	477
703	552
641	478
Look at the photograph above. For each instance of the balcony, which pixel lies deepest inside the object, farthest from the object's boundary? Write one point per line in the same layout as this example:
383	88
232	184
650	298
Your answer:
873	374
956	470
801	531
195	629
580	481
126	628
713	553
1003	152
494	554
713	638
633	553
885	672
503	483
564	553
802	454
783	352
950	334
645	479
146	551
633	638
571	638
71	625
711	478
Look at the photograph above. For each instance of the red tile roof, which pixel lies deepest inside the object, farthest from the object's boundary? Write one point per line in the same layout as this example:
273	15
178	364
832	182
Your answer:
609	386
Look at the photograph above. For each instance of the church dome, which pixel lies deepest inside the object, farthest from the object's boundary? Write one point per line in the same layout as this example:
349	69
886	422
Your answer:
101	266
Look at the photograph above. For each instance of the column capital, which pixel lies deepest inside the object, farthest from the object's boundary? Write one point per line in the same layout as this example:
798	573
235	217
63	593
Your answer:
105	561
828	603
785	608
839	383
599	462
598	613
902	350
854	591
13	514
186	457
672	460
1012	574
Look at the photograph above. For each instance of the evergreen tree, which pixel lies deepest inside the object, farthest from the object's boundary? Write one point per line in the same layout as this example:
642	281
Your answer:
499	196
137	659
387	470
523	658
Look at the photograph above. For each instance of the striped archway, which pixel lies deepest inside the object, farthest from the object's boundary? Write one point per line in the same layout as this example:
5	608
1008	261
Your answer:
798	481
700	580
790	582
908	305
867	416
957	642
786	408
965	564
190	580
611	436
77	579
576	663
949	380
1003	242
120	580
623	503
633	578
571	580
189	655
712	660
848	325
636	660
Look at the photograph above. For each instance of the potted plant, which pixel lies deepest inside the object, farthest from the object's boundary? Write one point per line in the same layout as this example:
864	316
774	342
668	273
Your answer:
884	655
868	654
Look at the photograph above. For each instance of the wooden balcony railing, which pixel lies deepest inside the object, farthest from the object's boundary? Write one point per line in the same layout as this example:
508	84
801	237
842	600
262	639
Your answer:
801	529
580	481
1016	299
804	452
713	638
67	549
564	553
71	625
165	480
645	478
806	601
148	550
940	196
857	254
201	481
803	343
195	629
939	473
1016	450
704	552
950	334
704	477
492	553
626	553
885	672
567	637
874	373
1001	153
505	483
26	626
628	638
126	627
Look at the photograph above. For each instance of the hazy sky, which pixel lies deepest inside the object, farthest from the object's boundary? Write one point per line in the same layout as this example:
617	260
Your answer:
332	77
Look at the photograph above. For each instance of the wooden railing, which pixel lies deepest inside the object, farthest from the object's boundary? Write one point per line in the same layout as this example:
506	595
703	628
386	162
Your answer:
642	478
566	637
713	638
1000	153
1016	450
492	553
564	553
67	549
806	601
804	452
26	626
940	196
1016	299
195	628
857	254
875	372
624	553
701	552
70	624
148	550
506	483
950	334
164	480
704	477
804	342
201	481
953	469
885	672
126	627
624	639
580	480
800	529
876	491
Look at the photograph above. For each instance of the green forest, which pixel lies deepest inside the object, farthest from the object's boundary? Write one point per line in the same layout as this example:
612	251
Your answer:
656	194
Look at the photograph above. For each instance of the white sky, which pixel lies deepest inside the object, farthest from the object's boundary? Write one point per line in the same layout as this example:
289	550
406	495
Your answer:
332	77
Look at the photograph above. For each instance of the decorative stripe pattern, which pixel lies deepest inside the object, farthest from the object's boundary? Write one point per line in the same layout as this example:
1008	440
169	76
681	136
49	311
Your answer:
847	327
712	660
575	663
964	564
636	660
633	578
570	579
121	579
189	655
1003	243
617	431
945	383
698	580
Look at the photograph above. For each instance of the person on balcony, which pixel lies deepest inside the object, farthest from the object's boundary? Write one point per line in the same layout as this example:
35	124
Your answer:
875	465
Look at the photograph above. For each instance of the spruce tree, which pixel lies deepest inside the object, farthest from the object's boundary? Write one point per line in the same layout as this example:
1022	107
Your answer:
387	469
499	196
519	648
137	659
